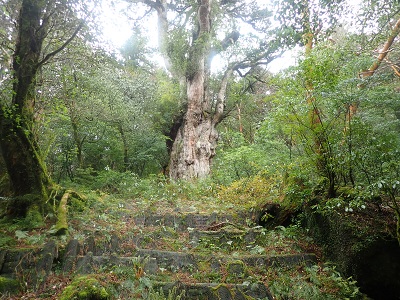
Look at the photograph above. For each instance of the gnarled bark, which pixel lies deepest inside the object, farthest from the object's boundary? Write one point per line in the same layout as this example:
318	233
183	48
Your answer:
20	151
25	167
195	143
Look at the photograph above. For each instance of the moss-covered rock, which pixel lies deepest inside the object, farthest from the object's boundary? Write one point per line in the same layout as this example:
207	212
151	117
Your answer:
360	244
236	270
9	286
85	288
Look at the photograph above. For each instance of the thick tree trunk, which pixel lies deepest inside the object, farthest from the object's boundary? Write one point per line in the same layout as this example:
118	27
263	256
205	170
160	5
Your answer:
194	135
5	187
19	148
194	145
21	153
193	150
196	140
22	157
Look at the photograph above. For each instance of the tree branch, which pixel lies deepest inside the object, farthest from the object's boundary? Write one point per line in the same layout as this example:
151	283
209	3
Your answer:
229	40
383	52
220	105
249	64
66	43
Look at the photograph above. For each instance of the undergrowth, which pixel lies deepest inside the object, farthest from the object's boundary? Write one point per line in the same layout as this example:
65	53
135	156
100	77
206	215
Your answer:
112	199
315	282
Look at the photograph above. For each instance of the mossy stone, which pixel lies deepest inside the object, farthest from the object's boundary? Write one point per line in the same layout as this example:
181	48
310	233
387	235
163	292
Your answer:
85	288
236	269
9	285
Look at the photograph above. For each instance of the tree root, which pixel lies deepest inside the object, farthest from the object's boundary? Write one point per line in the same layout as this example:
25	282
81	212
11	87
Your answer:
61	227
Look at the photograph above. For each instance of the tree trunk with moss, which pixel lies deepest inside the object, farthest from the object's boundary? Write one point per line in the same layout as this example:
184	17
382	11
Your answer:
24	161
20	150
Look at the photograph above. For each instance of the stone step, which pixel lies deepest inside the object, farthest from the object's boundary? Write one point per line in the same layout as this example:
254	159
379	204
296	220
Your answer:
89	264
151	237
34	263
171	260
215	291
201	221
228	236
153	260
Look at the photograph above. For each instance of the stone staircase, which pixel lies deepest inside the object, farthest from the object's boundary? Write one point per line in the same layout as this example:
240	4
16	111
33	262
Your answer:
198	256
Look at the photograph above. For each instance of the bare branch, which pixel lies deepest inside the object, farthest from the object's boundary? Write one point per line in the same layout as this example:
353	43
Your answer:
220	105
261	59
66	43
383	52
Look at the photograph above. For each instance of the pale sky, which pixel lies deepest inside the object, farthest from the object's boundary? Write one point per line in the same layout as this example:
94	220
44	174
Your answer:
116	26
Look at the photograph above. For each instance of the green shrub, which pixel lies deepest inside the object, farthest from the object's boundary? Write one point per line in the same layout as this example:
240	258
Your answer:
85	288
250	191
108	181
160	295
313	283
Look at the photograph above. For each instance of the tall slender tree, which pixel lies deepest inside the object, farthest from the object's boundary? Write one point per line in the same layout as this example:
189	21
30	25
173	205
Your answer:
305	22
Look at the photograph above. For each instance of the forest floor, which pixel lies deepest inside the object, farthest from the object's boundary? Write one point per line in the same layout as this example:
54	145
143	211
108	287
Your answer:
170	247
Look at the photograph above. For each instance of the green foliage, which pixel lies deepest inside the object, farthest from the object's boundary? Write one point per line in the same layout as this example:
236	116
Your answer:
149	153
100	117
160	295
136	51
342	148
9	286
160	189
237	159
86	287
6	240
178	48
299	185
313	283
295	20
391	195
238	163
153	188
249	192
107	181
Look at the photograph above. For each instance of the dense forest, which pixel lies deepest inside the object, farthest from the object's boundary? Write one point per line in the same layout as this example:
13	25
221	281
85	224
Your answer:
288	101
